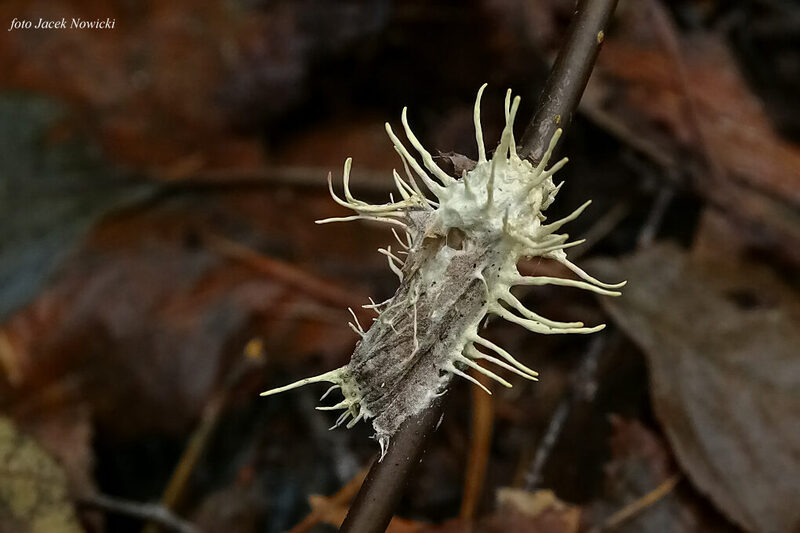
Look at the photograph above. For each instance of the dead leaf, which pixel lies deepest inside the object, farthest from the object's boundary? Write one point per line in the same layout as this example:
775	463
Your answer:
65	432
453	163
237	507
532	512
33	487
640	493
708	120
149	87
53	189
722	348
144	311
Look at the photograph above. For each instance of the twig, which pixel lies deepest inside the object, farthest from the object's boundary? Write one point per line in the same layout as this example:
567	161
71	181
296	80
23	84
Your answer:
601	228
569	75
147	512
666	31
648	232
340	498
200	437
617	128
369	182
480	442
636	507
373	507
297	278
375	503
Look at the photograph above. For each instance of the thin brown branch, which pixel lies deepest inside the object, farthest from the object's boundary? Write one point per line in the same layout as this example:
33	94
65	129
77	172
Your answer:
366	181
375	503
297	278
344	495
569	76
480	443
668	34
583	389
636	507
198	441
147	512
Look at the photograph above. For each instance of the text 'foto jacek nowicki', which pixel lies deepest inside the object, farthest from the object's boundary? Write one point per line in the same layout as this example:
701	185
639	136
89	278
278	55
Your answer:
62	24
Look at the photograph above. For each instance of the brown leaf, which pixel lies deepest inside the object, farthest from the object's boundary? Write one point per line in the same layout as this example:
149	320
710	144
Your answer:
640	493
730	117
722	348
518	511
148	87
237	507
33	488
453	163
631	441
146	311
532	512
682	99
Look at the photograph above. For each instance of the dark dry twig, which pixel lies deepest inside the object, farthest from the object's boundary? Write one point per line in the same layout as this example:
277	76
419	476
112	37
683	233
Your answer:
201	436
583	390
306	282
375	503
659	208
340	498
569	76
233	179
639	505
147	512
667	33
480	444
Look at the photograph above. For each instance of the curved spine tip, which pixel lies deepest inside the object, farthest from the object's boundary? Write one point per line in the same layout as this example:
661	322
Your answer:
427	158
452	368
438	190
550	148
502	353
476	118
484	371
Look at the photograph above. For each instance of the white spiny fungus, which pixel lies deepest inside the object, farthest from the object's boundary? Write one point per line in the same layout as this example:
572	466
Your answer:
428	331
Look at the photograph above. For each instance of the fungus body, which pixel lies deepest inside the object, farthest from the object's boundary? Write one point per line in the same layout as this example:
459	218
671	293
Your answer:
457	263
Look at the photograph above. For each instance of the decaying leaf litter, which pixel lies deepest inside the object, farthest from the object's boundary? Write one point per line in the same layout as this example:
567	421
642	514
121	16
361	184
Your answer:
149	305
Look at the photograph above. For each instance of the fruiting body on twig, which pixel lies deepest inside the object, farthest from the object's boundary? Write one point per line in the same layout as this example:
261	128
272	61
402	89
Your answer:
460	262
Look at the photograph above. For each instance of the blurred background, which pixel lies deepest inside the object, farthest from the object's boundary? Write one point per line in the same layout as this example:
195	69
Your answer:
160	265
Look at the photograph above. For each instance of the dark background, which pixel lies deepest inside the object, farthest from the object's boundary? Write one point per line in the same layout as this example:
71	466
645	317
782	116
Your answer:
159	264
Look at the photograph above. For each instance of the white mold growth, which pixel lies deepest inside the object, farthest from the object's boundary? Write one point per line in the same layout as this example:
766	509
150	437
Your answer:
428	331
